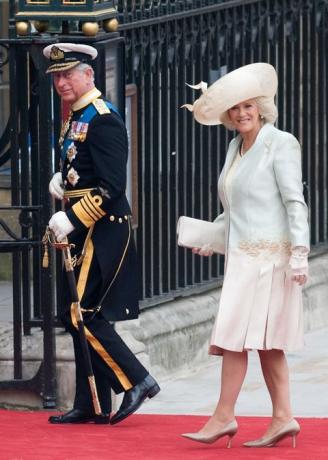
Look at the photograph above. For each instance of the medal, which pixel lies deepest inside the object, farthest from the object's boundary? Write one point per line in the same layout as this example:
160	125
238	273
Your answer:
73	177
78	131
71	152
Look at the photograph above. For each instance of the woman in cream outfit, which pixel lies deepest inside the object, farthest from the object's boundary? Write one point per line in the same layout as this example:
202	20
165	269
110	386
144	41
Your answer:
266	238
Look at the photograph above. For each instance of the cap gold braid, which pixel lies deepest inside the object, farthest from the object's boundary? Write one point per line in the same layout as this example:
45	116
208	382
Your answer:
63	66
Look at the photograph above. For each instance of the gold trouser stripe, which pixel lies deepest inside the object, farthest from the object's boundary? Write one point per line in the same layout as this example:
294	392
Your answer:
94	342
77	193
85	245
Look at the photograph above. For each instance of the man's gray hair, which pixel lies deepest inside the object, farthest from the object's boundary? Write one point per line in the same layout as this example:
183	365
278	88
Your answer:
83	66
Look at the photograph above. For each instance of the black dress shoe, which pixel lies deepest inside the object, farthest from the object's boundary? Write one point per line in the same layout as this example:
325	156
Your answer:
79	416
133	398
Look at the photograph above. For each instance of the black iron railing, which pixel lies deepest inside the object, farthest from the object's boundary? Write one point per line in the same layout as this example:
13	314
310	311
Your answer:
26	142
169	43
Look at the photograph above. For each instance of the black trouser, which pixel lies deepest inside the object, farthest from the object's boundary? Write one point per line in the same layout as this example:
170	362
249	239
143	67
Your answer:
114	364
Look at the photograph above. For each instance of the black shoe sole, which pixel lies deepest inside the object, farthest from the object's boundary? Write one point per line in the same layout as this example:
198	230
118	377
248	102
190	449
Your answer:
97	419
151	393
101	419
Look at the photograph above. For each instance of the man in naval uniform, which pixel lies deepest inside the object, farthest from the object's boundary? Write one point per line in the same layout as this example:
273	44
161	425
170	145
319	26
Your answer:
96	219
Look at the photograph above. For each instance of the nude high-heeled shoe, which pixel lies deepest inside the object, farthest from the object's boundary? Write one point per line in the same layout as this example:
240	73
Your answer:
229	430
291	429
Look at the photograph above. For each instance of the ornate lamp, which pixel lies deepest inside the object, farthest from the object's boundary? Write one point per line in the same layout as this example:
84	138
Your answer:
89	13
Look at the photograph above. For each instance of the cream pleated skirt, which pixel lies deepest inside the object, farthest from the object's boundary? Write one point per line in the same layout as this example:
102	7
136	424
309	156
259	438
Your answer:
260	306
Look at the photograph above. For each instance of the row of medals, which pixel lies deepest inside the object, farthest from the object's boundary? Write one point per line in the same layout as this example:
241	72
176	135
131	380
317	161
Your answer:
72	175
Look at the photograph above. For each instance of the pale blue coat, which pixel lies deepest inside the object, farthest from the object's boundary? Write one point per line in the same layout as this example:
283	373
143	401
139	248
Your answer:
264	217
267	204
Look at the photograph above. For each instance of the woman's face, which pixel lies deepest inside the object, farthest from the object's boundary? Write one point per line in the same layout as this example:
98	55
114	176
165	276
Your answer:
245	117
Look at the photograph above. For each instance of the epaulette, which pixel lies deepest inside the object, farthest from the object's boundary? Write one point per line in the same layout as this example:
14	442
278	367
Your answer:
101	106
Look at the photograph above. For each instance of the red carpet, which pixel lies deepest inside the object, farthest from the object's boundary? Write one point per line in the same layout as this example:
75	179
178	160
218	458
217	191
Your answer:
28	436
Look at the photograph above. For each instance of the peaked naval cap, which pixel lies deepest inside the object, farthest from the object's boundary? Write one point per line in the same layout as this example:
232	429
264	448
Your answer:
65	56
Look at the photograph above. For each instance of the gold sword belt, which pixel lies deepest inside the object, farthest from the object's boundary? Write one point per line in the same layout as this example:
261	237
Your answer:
77	193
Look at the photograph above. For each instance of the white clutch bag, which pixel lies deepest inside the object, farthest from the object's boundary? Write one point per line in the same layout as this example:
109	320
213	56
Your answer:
195	233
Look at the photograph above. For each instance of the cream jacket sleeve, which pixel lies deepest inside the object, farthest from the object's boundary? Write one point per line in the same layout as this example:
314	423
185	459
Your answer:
288	171
221	231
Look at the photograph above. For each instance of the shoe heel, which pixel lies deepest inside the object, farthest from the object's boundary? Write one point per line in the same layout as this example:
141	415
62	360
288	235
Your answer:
294	440
153	391
229	443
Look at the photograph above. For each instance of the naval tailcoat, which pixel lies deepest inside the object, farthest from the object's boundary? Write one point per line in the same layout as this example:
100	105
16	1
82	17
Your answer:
94	157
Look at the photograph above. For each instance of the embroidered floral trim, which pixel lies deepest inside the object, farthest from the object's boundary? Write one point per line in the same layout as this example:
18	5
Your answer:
256	248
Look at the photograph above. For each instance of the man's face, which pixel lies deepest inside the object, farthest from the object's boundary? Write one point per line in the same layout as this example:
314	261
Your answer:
72	84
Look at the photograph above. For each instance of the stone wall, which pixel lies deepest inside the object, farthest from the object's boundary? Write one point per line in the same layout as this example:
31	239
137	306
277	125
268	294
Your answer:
169	338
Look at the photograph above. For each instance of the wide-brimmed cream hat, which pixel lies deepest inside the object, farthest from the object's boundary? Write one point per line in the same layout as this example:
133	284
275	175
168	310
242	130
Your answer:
65	56
247	82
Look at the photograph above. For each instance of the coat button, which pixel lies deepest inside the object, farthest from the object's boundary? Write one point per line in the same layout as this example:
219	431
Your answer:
127	311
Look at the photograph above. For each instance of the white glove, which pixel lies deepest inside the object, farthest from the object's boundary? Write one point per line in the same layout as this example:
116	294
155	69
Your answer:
205	250
56	186
298	264
60	225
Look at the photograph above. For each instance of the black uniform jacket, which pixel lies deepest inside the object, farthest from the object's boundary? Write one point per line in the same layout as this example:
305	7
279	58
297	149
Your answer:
95	163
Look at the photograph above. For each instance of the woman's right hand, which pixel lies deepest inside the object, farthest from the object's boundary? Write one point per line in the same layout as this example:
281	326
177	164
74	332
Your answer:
205	250
298	264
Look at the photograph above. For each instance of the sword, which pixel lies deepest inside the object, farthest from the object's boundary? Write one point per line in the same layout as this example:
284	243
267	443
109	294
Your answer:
65	247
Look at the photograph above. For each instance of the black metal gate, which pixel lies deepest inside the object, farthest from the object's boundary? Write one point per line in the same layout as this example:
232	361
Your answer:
26	142
169	43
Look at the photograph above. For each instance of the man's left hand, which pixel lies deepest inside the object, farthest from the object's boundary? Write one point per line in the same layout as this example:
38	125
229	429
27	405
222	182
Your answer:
60	225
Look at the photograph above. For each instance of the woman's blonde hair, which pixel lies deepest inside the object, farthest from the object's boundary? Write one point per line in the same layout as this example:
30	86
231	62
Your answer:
267	109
